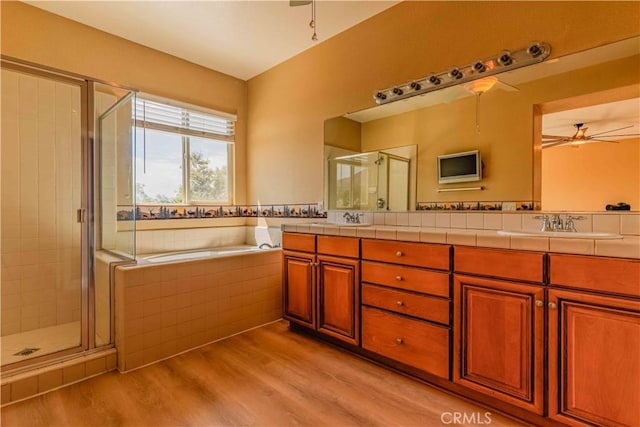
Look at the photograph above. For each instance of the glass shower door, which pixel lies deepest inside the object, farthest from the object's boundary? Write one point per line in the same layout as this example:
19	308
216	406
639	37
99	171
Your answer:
44	277
116	192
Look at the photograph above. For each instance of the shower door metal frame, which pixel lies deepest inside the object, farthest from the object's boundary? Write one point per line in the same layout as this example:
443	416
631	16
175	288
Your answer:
85	211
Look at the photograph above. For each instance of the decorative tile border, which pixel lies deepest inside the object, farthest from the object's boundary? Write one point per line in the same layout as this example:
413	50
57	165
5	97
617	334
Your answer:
477	206
160	212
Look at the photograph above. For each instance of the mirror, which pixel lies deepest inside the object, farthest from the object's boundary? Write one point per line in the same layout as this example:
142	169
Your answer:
506	124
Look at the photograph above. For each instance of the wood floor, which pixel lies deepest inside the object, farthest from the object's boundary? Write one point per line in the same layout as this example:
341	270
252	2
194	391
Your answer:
266	377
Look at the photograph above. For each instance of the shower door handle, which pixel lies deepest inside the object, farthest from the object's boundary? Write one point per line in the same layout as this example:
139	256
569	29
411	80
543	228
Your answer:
80	215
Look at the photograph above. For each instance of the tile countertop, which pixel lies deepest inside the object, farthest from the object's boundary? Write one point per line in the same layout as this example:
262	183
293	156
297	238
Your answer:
627	247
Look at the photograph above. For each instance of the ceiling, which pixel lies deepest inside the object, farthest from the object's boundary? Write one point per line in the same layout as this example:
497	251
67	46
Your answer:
237	37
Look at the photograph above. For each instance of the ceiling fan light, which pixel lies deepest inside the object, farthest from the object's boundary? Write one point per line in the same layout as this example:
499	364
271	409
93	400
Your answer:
480	85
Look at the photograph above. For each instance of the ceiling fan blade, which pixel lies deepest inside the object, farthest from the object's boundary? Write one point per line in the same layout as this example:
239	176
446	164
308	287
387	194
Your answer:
554	144
563	139
615	136
612	130
600	140
294	3
505	86
553	137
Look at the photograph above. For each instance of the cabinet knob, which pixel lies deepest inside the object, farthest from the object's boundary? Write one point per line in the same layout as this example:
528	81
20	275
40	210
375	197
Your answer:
400	303
399	253
539	303
553	305
399	278
399	340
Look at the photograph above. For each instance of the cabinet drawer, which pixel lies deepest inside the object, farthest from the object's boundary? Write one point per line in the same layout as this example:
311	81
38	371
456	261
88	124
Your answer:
339	246
507	264
417	254
299	242
621	276
411	279
424	307
412	342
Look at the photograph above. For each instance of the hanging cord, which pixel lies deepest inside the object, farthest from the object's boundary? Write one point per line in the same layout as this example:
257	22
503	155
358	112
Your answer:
312	24
478	112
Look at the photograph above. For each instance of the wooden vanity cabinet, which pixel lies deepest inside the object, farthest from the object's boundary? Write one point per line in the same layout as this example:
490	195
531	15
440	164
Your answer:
406	303
321	284
499	325
299	278
594	340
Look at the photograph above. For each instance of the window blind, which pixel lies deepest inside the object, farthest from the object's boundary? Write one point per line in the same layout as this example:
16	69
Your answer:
170	118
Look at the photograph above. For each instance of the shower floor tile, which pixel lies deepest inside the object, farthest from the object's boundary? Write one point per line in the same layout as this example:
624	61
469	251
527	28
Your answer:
47	340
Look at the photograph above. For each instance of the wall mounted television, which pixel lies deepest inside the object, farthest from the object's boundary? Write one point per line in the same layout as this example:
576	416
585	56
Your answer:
459	167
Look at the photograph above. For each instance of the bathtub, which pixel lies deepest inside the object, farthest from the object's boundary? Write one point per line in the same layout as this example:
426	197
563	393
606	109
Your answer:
168	303
201	253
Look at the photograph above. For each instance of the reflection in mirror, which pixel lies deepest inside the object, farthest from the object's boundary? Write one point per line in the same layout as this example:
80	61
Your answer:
505	124
369	181
591	156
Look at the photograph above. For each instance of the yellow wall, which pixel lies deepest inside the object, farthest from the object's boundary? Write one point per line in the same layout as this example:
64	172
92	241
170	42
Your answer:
289	103
33	35
343	133
590	176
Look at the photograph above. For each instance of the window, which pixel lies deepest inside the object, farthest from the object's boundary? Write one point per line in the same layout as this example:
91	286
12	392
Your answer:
183	155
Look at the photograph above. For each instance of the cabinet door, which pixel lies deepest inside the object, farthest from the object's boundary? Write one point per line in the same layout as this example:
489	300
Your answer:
338	280
499	339
299	288
594	359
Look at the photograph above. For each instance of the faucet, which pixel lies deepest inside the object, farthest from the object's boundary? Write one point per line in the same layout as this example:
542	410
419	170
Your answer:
268	245
555	222
351	218
569	224
546	222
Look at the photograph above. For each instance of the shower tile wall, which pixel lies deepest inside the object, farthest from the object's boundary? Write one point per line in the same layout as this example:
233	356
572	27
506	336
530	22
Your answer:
41	158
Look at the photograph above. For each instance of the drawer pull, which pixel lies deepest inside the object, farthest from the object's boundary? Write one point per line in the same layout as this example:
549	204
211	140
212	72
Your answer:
400	303
399	340
539	303
399	253
552	305
399	278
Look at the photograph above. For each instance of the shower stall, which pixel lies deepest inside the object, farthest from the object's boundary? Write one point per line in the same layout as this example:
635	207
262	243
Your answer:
375	181
58	210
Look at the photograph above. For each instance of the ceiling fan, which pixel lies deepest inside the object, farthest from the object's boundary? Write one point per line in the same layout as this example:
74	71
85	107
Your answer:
312	23
581	137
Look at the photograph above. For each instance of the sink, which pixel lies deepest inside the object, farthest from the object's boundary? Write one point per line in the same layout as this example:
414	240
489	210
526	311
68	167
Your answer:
562	234
348	224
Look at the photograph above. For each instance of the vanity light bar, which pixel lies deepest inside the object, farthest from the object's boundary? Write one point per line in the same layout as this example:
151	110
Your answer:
505	61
